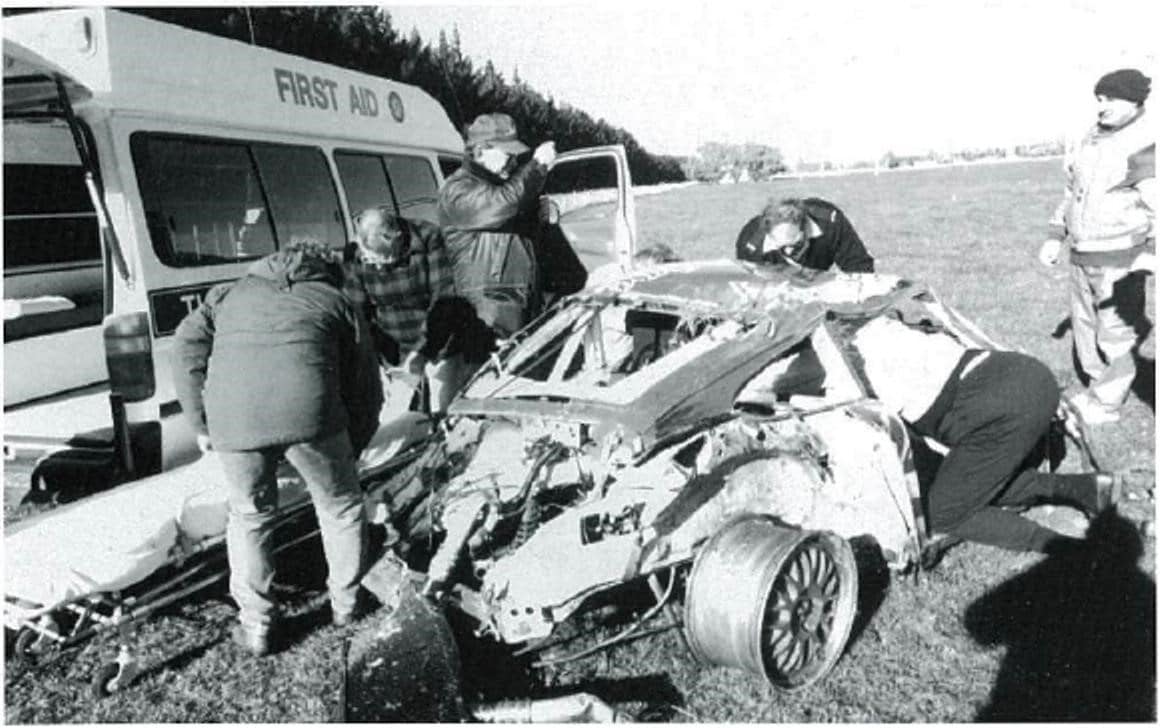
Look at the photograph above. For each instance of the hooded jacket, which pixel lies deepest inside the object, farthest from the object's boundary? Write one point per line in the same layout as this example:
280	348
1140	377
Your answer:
1108	205
278	357
489	226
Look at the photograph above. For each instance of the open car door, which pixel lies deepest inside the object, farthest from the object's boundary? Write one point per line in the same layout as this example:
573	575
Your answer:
588	200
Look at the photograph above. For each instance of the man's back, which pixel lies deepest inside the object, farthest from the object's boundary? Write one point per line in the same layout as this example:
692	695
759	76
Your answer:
282	357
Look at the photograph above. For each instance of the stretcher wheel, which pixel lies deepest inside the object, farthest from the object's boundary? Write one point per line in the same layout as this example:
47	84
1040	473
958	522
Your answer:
105	682
31	645
23	649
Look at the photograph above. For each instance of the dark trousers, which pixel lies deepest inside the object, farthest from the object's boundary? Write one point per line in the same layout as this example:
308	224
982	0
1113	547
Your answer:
991	420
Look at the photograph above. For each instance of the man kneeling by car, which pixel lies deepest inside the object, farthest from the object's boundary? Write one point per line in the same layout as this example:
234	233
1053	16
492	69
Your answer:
990	409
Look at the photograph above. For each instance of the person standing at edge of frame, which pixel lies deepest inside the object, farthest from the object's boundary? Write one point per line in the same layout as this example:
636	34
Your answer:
280	363
1107	215
489	213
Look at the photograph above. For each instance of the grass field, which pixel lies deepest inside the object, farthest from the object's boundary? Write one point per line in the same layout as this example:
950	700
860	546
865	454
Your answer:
987	635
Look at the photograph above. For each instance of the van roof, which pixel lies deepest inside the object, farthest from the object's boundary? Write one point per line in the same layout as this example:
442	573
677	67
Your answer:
129	64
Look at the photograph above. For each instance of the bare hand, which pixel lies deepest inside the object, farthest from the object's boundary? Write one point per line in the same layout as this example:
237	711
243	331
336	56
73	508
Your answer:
545	154
1049	252
414	362
1145	262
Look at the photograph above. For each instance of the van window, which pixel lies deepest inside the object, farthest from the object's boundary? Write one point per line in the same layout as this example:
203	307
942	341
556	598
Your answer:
53	275
448	165
365	180
210	201
380	179
416	190
49	220
301	193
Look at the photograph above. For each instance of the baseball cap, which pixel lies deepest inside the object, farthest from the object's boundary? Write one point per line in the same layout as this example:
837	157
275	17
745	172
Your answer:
497	130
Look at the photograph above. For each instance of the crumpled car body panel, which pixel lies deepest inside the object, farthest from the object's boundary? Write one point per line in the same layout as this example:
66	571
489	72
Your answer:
617	436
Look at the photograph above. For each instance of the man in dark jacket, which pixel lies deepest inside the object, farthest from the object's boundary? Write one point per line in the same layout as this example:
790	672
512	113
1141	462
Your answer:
488	210
279	363
809	233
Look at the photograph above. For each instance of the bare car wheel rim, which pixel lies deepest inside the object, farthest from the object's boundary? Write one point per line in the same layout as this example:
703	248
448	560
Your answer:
800	614
809	612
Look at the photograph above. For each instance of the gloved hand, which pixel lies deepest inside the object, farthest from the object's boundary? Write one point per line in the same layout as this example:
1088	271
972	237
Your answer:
204	444
1049	252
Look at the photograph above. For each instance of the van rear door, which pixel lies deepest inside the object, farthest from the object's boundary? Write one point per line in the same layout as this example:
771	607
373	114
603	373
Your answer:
53	273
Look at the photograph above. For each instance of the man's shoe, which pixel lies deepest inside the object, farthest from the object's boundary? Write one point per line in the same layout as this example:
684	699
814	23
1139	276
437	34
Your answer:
936	548
1130	492
256	643
1093	411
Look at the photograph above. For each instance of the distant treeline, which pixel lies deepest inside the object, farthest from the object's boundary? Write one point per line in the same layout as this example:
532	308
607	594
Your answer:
363	39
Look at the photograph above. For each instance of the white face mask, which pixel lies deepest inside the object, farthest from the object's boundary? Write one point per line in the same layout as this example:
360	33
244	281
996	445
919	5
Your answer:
496	161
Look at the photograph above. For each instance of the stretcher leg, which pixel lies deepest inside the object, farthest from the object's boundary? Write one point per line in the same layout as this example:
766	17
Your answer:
116	675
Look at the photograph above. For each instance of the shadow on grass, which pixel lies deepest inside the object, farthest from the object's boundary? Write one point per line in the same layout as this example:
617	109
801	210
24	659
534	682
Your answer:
1144	385
1080	632
873	583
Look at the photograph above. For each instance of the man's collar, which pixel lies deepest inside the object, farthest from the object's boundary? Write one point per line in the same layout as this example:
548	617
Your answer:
812	228
1103	130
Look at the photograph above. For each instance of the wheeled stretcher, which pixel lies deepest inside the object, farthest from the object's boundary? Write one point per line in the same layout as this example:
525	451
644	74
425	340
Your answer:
109	561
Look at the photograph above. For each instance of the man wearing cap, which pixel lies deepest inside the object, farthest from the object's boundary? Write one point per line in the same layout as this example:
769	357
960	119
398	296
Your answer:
488	211
1106	216
810	233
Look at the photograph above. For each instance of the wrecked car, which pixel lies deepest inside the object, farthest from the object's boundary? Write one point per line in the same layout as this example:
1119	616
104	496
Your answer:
694	423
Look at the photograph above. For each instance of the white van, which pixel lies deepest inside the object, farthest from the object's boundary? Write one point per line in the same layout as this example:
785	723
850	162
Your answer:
145	163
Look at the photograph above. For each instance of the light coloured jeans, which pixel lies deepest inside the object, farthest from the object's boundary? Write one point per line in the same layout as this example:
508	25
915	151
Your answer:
1107	305
327	465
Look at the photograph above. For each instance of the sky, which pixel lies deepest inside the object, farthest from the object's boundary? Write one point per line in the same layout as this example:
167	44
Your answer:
819	79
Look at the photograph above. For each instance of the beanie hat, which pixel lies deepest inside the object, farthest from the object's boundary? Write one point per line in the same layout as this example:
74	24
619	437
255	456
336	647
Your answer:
1127	84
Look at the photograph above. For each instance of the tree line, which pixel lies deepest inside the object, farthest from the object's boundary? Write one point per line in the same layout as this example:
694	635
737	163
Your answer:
363	39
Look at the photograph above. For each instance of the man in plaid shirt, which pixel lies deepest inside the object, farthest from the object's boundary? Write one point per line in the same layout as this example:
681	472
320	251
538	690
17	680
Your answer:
399	269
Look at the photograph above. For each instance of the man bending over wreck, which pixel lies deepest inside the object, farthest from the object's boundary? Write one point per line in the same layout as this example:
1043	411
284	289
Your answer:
279	364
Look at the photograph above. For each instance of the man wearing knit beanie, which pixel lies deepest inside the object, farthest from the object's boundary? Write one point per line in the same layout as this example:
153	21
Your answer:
1107	218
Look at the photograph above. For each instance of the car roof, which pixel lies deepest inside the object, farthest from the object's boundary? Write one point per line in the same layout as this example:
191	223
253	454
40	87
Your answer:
748	292
785	304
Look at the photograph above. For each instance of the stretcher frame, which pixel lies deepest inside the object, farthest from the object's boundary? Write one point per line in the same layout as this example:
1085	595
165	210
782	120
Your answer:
193	568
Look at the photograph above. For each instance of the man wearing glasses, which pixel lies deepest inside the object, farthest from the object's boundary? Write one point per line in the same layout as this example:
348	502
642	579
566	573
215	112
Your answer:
804	233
